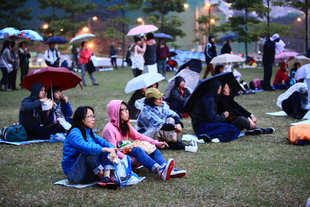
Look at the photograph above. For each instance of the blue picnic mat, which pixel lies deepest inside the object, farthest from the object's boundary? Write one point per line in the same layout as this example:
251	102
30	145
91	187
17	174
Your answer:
24	142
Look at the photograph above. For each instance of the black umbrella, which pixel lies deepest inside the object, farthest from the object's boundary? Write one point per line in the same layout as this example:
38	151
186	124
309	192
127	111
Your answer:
193	64
200	89
172	53
56	40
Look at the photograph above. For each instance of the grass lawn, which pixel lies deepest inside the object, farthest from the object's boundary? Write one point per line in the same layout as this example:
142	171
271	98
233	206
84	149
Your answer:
260	170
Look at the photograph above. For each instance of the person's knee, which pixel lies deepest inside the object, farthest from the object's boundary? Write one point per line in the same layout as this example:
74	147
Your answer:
174	139
170	120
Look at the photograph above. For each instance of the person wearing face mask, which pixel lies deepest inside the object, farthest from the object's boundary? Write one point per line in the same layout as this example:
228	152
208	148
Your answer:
269	51
52	56
210	53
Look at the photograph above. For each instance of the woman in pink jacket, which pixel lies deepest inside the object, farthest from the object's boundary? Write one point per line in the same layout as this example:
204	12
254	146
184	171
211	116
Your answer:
119	129
85	54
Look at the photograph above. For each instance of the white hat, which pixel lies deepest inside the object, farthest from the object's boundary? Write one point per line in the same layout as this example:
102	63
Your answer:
274	37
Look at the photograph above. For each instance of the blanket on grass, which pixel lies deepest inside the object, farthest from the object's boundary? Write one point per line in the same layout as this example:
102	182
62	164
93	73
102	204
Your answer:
190	137
278	113
24	142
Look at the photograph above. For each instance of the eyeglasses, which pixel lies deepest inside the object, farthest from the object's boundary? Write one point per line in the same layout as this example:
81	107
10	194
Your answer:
124	110
91	117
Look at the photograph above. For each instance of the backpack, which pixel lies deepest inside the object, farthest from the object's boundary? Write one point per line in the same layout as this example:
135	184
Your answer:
299	134
14	133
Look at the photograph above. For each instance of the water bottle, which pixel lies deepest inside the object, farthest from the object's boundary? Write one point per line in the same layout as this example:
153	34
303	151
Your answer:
115	161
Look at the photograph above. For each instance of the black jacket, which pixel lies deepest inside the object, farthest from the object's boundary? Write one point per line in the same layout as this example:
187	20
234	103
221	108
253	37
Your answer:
230	105
176	91
210	51
226	48
269	51
23	58
134	112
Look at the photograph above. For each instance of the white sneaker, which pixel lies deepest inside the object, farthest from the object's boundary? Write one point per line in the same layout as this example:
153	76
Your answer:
164	173
59	137
176	173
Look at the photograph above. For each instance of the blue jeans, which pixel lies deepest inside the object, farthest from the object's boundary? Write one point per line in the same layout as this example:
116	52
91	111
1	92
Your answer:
86	168
161	67
5	76
151	161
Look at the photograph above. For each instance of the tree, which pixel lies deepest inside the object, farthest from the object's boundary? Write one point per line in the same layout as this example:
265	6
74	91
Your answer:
12	14
163	7
242	24
300	5
122	21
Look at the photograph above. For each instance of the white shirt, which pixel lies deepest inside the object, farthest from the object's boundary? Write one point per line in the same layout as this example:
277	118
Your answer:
51	56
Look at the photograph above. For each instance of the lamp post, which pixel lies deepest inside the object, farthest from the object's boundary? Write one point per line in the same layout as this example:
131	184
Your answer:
140	20
94	18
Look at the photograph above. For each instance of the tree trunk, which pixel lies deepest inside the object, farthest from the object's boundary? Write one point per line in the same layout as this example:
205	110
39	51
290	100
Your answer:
246	34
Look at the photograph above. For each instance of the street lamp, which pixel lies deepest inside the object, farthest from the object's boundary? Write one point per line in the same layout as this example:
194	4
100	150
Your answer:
140	20
94	18
45	26
90	45
85	29
212	21
185	6
298	19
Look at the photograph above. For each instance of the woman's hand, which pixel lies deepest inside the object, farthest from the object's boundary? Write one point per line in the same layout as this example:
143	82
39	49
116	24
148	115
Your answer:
226	114
65	98
178	128
252	124
254	119
112	151
163	145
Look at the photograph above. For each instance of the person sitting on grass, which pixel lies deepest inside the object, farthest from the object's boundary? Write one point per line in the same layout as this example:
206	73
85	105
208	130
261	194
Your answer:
207	123
281	80
178	95
85	153
138	94
119	129
61	109
159	122
239	116
31	116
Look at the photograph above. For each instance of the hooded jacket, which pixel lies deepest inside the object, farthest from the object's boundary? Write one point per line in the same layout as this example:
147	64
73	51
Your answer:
205	110
113	51
269	52
150	52
113	134
280	75
177	93
210	50
30	110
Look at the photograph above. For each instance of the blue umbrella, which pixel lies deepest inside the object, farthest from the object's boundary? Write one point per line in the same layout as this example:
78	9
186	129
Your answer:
228	37
162	36
56	40
30	34
8	32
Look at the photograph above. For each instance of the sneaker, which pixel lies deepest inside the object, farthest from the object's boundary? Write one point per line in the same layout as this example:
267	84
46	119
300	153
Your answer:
95	84
59	137
269	130
164	173
215	140
176	173
109	183
205	137
254	132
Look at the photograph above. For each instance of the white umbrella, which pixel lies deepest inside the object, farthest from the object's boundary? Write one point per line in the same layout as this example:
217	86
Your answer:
303	60
143	81
82	38
226	58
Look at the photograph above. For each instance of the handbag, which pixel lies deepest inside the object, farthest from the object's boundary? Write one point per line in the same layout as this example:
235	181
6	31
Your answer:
137	60
8	66
14	133
90	67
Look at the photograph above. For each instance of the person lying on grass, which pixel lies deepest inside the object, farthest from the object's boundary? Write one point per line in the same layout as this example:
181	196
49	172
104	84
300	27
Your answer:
119	129
85	153
239	116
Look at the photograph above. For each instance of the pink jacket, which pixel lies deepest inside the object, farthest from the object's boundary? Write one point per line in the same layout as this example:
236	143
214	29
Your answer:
85	55
112	132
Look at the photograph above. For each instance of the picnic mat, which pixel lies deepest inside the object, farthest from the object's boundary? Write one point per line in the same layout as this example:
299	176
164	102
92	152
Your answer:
24	142
301	122
66	183
278	113
190	137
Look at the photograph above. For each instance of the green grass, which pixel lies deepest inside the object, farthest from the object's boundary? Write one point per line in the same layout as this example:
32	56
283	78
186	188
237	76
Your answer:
260	170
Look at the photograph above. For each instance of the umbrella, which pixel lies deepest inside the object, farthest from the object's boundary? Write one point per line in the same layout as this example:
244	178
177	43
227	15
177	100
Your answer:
200	90
8	32
82	38
30	34
163	36
284	56
141	29
226	58
303	60
50	76
56	40
143	81
228	37
172	54
193	64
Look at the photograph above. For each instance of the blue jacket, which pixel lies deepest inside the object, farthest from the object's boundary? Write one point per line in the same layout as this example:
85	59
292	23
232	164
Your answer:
75	145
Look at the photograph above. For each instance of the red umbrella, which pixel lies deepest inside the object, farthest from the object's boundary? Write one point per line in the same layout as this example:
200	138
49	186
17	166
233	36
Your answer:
51	76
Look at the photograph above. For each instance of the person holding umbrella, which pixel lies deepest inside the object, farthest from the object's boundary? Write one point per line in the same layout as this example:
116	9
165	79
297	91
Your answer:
137	56
5	60
13	73
24	55
85	57
52	56
210	53
162	51
150	54
227	47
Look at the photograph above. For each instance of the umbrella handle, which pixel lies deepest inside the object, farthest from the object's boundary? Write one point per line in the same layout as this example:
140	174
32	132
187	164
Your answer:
81	86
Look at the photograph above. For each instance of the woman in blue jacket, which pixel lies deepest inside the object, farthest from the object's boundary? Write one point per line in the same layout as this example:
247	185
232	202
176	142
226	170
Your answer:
85	153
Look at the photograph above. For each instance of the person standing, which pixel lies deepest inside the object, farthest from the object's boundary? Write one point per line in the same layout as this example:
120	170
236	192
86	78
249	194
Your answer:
85	57
13	73
137	56
226	49
269	51
52	56
210	53
5	60
24	55
150	54
113	56
162	52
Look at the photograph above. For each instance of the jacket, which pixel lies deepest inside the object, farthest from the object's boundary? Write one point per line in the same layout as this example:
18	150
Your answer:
66	111
210	50
162	52
23	58
51	56
230	105
85	55
226	48
150	52
177	93
113	134
75	145
30	110
131	103
7	57
113	52
269	51
280	76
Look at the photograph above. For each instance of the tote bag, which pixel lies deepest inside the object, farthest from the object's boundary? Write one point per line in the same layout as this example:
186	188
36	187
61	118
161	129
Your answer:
8	66
137	60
